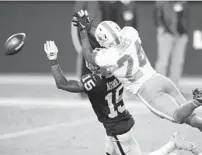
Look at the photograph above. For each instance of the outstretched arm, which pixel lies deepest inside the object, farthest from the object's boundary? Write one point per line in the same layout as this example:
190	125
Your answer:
61	82
82	21
96	55
87	49
73	86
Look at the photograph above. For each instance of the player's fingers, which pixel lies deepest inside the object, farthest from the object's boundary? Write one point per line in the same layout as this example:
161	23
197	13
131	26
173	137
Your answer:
56	48
82	12
53	44
74	19
49	44
75	23
86	13
79	13
45	47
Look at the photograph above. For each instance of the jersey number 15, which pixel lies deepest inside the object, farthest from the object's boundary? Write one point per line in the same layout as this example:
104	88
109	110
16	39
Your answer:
88	83
113	99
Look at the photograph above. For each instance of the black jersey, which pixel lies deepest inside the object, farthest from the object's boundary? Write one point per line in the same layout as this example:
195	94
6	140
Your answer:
105	95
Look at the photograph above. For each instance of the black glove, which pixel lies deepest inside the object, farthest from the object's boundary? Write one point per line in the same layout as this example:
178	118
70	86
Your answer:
196	93
82	20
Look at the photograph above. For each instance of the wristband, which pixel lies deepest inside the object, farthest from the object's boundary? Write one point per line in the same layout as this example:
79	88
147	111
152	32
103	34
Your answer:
53	62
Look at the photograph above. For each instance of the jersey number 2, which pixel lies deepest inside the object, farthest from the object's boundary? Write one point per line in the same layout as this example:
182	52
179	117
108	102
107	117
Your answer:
142	59
113	98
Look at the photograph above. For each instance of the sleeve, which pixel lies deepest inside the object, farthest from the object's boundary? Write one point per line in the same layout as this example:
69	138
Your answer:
104	58
91	82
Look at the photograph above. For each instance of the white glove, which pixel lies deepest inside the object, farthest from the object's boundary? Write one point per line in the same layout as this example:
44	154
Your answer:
51	50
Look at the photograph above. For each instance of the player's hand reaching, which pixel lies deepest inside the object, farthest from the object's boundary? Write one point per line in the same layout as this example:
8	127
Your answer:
82	20
51	50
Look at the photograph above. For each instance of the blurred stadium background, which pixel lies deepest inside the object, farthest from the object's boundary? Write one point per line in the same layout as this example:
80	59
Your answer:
38	119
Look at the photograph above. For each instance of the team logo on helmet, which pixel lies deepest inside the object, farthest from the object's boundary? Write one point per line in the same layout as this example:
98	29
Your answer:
108	34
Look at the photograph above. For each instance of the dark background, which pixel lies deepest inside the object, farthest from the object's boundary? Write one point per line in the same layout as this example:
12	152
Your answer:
43	21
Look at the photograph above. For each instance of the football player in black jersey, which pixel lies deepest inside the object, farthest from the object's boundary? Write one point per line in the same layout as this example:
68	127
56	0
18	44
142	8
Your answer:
105	94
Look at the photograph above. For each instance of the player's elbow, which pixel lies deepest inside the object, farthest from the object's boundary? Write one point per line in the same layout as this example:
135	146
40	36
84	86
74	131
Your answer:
59	86
68	87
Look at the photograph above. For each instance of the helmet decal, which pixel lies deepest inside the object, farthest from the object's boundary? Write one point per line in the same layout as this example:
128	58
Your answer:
112	32
107	34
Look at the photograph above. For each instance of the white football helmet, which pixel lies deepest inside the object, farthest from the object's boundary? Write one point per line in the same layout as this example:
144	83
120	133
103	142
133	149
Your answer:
107	34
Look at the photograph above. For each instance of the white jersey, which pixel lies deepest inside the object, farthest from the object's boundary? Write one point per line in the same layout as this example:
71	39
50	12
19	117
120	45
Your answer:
127	61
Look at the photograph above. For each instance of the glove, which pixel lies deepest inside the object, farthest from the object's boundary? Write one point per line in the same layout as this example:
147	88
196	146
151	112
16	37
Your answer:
82	20
51	50
196	93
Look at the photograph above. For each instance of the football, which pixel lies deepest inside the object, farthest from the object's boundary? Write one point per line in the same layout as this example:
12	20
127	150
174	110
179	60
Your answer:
14	43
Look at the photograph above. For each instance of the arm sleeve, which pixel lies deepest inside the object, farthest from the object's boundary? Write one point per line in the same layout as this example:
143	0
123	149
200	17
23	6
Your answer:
61	82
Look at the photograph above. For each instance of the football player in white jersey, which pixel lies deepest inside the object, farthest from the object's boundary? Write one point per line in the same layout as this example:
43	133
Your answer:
123	56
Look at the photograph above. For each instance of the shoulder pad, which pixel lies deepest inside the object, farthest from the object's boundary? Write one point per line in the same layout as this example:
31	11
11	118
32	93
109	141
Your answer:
132	32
